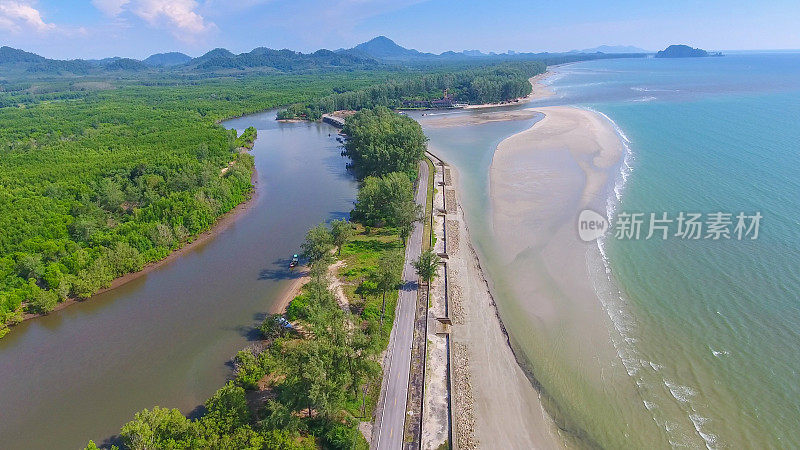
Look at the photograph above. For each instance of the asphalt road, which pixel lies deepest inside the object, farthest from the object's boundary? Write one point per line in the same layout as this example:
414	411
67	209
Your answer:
390	434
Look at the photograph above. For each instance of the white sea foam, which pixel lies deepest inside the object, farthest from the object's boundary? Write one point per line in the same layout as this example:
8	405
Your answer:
553	77
719	353
681	393
625	170
624	323
699	422
644	89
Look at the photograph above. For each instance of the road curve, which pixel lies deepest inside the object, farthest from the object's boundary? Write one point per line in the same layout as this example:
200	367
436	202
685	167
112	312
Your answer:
392	420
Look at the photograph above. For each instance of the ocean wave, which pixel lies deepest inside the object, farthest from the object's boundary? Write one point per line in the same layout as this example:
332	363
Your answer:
681	393
625	170
552	78
623	322
699	422
644	89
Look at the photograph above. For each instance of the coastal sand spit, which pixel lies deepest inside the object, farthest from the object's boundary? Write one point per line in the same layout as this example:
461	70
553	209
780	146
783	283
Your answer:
540	181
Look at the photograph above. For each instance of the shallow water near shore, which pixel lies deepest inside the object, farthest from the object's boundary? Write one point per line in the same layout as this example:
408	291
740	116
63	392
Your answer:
165	338
706	331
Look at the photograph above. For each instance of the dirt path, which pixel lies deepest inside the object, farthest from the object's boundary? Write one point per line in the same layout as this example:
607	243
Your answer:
337	283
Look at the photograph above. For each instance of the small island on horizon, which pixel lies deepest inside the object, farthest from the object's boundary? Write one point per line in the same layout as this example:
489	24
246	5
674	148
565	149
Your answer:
684	51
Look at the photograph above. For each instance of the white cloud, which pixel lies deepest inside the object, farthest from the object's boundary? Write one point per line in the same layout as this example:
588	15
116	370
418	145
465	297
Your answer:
179	15
18	15
110	7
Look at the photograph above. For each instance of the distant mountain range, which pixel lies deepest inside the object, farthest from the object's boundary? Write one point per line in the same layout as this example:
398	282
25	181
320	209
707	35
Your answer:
612	49
376	52
384	48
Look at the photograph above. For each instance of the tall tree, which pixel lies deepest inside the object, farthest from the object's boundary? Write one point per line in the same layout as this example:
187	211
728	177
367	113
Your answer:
318	243
342	231
405	214
273	326
387	277
380	196
427	265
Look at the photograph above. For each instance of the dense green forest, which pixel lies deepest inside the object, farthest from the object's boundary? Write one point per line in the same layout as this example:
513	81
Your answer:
102	176
487	84
309	382
98	178
381	141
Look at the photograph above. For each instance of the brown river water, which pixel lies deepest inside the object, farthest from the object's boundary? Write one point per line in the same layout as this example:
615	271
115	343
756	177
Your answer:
166	338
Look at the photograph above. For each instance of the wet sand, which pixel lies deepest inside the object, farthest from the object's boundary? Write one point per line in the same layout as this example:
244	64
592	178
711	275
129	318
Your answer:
540	181
291	291
478	117
505	408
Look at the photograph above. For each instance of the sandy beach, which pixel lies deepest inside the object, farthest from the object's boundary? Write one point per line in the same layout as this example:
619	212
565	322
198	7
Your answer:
548	315
540	181
291	291
504	406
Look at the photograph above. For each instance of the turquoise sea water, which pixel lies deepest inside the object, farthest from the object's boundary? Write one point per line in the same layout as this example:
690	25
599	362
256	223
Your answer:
706	333
711	329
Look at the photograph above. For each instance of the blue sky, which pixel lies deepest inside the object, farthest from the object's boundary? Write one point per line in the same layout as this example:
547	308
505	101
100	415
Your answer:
138	28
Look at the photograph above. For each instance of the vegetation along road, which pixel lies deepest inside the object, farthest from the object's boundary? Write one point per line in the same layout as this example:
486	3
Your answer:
390	433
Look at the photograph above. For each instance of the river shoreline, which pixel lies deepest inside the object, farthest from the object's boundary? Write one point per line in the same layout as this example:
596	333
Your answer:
222	223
